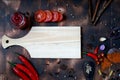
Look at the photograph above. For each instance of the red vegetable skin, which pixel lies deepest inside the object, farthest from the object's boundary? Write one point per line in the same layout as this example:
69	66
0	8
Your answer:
25	70
20	74
96	50
93	56
49	16
19	20
16	18
60	17
40	16
55	16
29	66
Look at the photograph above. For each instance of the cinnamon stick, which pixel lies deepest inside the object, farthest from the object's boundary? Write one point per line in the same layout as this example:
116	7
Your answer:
96	10
102	11
90	10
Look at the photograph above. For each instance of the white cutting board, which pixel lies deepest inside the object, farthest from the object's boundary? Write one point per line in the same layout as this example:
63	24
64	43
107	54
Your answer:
49	42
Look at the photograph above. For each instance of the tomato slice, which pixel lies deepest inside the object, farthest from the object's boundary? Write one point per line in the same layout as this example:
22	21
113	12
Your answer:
40	16
49	16
60	17
55	16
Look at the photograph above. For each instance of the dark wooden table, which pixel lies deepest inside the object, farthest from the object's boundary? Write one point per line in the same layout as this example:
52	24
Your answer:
76	13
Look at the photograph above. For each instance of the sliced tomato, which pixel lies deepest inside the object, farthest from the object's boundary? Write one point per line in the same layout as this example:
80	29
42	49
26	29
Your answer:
60	17
49	16
40	16
55	16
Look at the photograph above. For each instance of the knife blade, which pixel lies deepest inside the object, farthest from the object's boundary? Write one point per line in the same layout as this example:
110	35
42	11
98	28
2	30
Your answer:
49	42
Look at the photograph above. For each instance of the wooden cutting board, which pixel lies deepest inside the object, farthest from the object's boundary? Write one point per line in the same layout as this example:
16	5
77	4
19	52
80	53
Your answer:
49	42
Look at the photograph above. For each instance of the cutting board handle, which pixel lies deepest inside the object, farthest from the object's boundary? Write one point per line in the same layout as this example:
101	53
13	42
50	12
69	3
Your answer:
6	42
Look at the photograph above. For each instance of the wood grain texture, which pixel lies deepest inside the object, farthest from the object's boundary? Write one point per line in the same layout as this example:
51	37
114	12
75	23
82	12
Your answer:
49	42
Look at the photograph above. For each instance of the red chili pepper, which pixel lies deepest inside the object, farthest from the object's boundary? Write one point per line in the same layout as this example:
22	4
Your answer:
20	74
96	50
28	65
93	56
23	69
